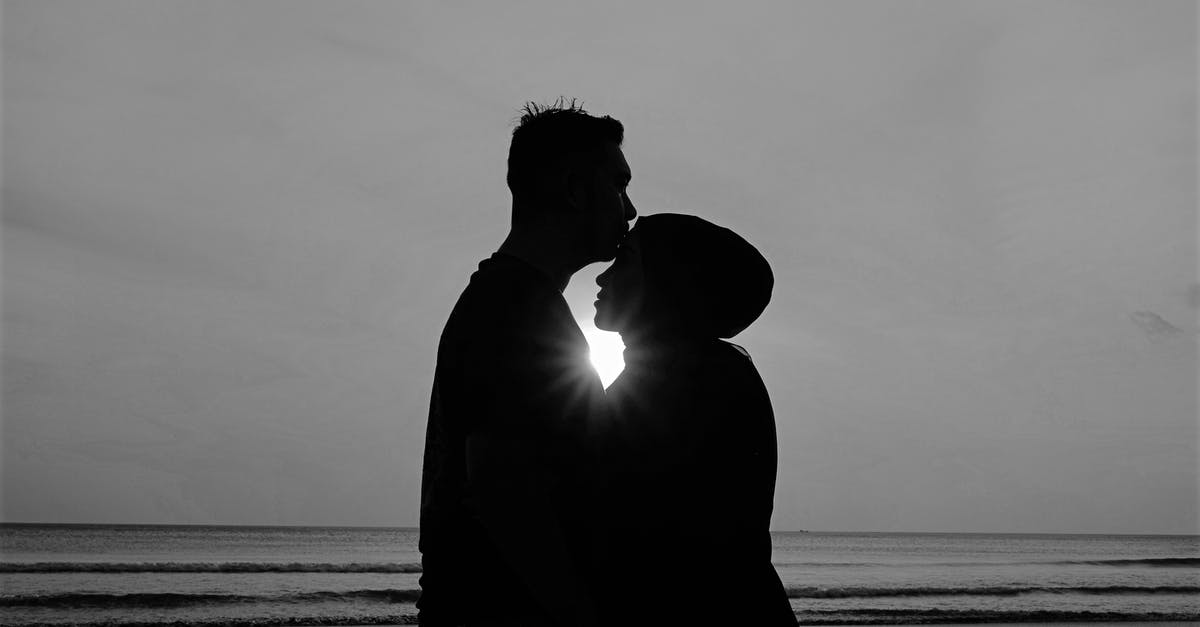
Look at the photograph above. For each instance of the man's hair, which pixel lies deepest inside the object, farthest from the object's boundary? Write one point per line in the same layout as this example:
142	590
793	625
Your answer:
548	135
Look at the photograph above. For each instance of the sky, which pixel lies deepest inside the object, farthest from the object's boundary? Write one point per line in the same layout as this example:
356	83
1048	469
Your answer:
232	232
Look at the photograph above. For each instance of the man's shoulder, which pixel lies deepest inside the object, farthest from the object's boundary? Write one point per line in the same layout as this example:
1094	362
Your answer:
504	296
503	281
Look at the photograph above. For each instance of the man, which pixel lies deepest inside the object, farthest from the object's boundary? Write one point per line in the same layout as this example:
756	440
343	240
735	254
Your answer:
502	490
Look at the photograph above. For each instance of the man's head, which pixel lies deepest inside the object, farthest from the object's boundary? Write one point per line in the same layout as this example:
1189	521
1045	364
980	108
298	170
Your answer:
566	170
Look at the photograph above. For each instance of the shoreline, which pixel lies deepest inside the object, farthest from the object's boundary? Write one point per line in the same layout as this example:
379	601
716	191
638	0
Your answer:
1156	623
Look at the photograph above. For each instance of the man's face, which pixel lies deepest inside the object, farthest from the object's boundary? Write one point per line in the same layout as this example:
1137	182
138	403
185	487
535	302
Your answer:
606	208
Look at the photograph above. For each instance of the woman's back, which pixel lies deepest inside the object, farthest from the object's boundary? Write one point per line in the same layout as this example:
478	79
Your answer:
689	487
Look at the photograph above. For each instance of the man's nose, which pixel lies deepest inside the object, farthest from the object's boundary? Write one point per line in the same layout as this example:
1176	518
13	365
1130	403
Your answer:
630	210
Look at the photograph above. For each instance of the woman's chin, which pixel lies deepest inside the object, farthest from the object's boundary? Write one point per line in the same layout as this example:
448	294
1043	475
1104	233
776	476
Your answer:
605	322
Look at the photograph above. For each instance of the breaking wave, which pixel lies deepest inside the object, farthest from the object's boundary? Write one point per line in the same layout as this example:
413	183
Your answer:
205	567
1001	591
178	599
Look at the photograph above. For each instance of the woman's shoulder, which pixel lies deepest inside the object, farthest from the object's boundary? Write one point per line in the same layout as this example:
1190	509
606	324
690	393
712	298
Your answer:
729	379
722	358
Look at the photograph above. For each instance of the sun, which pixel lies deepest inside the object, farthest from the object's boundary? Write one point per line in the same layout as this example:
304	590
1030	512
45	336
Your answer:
605	354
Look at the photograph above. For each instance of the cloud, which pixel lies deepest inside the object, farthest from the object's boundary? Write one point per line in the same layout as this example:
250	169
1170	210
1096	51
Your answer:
1154	326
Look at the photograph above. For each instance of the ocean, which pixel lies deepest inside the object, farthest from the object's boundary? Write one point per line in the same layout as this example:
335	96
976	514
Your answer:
126	575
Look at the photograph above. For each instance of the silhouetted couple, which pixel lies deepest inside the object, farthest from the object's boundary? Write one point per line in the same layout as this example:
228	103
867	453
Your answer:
546	500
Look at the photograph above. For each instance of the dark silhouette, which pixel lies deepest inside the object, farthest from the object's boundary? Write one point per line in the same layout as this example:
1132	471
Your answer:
513	396
689	455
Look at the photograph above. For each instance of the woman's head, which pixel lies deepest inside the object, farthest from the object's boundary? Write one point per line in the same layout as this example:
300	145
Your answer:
682	275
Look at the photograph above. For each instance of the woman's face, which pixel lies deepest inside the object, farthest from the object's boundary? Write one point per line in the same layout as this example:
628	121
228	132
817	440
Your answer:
622	288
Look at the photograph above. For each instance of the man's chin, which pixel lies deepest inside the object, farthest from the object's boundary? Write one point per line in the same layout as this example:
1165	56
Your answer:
606	256
607	251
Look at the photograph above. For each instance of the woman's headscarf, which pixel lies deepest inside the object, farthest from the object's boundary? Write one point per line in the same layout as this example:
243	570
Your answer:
701	278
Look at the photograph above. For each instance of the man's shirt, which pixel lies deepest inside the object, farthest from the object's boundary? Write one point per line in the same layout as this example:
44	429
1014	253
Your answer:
511	368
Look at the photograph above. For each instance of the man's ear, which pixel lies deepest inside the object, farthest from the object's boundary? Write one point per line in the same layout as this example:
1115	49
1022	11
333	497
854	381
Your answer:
554	186
572	190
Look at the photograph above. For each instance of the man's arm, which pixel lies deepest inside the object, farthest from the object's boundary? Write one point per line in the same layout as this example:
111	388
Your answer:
510	491
529	397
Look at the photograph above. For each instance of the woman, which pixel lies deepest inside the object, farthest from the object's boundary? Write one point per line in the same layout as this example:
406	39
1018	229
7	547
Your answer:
689	456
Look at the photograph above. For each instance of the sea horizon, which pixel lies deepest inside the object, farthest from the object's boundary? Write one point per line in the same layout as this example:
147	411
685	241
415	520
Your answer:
417	527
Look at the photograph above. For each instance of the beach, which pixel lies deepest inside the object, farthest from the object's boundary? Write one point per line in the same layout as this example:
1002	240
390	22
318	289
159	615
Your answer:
134	575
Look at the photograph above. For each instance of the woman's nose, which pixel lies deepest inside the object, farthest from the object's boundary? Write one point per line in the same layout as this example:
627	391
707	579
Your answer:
602	278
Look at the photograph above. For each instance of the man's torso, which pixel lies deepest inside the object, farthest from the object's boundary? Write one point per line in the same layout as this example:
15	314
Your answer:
511	361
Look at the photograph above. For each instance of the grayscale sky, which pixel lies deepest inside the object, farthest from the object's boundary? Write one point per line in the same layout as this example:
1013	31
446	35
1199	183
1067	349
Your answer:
233	230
